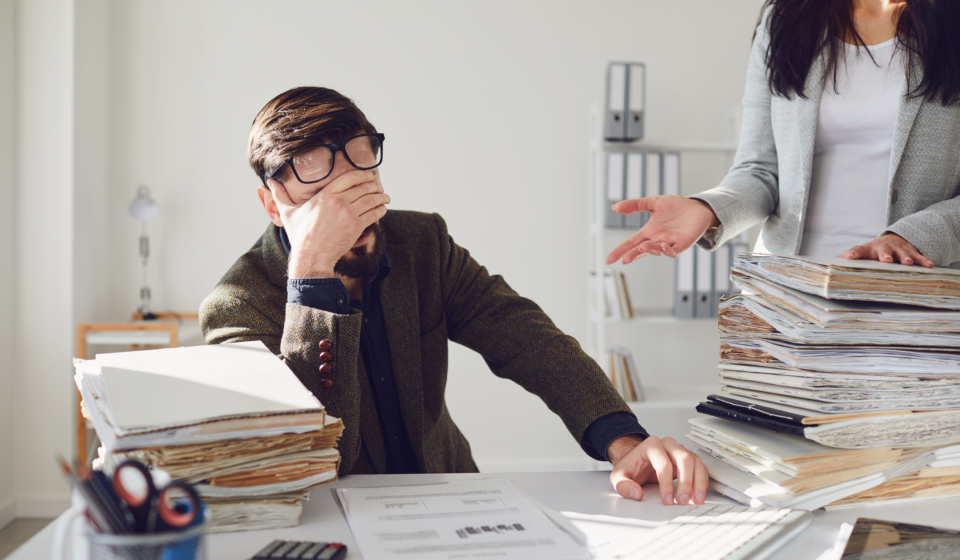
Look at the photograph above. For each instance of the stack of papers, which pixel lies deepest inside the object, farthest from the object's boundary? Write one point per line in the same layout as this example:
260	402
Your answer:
230	418
834	403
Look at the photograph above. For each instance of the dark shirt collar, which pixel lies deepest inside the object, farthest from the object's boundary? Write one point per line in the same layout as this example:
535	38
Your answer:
383	269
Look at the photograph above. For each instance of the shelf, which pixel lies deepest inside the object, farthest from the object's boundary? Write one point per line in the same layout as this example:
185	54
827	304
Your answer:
656	316
643	145
679	397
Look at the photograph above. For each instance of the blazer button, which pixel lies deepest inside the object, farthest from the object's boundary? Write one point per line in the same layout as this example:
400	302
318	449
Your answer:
326	369
326	357
326	383
325	345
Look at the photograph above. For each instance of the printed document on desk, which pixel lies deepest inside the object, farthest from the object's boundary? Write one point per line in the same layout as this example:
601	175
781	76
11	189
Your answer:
473	519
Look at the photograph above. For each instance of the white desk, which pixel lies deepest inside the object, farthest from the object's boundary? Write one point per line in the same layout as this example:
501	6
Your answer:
587	492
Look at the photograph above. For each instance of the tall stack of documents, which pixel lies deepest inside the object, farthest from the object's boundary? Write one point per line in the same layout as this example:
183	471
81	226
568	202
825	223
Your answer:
230	418
840	384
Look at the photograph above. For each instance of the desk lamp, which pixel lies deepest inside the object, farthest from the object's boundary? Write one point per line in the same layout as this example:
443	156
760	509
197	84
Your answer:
144	209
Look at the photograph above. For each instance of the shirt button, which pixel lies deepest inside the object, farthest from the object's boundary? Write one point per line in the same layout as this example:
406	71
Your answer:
366	320
340	301
326	383
383	379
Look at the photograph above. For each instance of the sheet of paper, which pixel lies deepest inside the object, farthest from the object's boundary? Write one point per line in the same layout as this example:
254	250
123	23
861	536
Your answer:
457	520
178	386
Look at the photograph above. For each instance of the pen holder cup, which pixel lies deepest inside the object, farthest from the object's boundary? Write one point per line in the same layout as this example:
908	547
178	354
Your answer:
181	545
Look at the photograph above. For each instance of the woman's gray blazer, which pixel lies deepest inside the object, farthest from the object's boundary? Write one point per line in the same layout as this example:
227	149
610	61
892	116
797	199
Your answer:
770	177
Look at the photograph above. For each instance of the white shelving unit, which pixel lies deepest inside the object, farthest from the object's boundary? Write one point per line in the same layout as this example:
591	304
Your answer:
677	358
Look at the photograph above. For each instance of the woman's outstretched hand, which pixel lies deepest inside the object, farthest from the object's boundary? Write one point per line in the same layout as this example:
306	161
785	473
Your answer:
888	248
676	223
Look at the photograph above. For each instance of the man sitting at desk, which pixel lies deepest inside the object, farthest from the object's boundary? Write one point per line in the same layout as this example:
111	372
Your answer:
360	303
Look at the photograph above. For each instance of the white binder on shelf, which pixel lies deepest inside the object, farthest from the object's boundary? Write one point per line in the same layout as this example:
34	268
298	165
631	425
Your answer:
614	127
634	189
684	304
671	173
611	296
721	276
635	98
654	176
704	282
615	188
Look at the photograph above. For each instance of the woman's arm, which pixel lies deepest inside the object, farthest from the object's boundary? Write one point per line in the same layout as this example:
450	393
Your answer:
747	195
750	191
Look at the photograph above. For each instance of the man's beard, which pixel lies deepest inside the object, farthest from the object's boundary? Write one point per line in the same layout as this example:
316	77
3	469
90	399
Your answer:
360	262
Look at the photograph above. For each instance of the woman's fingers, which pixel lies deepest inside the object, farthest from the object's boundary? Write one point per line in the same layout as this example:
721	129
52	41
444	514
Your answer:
622	250
651	248
853	253
633	206
633	255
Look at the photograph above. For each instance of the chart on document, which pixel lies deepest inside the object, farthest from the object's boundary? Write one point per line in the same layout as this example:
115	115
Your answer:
461	520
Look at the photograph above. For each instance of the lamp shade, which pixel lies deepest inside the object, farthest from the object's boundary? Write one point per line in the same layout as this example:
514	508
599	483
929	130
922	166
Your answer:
143	207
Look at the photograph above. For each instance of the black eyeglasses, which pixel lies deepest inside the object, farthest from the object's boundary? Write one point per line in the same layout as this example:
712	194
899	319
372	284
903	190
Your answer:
363	152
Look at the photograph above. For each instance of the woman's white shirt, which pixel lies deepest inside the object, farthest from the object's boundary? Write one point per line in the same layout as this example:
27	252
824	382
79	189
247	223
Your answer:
847	204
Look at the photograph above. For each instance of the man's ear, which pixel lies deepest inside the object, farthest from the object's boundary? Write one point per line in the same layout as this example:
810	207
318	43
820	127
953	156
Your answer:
270	205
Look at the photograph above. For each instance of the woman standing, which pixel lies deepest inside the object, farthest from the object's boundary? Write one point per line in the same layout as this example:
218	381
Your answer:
850	144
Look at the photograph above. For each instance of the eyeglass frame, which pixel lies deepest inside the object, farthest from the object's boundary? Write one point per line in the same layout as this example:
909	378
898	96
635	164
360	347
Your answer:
340	146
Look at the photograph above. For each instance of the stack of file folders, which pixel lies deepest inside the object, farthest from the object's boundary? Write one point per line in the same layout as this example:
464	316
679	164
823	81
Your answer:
840	384
232	419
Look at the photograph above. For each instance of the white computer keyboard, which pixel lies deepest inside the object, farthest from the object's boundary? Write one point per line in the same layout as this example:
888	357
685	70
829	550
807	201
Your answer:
715	532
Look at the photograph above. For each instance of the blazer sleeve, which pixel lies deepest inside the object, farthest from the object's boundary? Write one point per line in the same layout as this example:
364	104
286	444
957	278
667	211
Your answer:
228	316
750	191
934	231
519	342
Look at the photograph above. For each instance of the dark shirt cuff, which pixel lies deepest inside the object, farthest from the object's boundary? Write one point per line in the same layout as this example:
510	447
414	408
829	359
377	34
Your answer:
601	433
325	294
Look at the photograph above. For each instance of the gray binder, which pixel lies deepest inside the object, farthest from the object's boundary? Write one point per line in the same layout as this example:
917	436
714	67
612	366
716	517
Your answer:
684	304
704	282
615	188
614	127
635	95
634	189
721	276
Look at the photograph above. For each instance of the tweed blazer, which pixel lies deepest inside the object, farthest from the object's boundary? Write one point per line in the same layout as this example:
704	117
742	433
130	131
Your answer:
771	174
435	292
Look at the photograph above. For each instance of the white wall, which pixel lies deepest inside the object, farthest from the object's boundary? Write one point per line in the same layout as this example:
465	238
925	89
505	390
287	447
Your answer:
7	289
43	229
484	106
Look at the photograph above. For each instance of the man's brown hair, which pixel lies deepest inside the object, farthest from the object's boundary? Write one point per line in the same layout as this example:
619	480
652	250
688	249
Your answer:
297	120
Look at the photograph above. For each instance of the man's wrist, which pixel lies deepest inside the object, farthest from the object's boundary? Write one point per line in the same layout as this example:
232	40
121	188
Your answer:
619	447
308	268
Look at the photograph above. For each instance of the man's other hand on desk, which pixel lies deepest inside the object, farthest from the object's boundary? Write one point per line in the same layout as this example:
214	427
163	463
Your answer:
638	461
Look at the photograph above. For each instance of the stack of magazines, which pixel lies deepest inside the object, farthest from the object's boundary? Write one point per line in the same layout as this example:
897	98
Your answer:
840	384
232	419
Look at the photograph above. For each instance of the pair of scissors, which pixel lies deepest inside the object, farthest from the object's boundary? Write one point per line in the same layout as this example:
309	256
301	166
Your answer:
171	508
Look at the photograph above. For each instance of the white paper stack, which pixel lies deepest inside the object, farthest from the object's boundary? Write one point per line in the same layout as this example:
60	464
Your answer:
835	391
230	418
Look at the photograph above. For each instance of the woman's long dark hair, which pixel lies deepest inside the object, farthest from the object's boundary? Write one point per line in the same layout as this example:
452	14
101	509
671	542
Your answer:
800	30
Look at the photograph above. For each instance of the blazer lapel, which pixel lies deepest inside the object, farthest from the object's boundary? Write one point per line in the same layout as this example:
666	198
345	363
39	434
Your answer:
398	298
906	116
808	116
